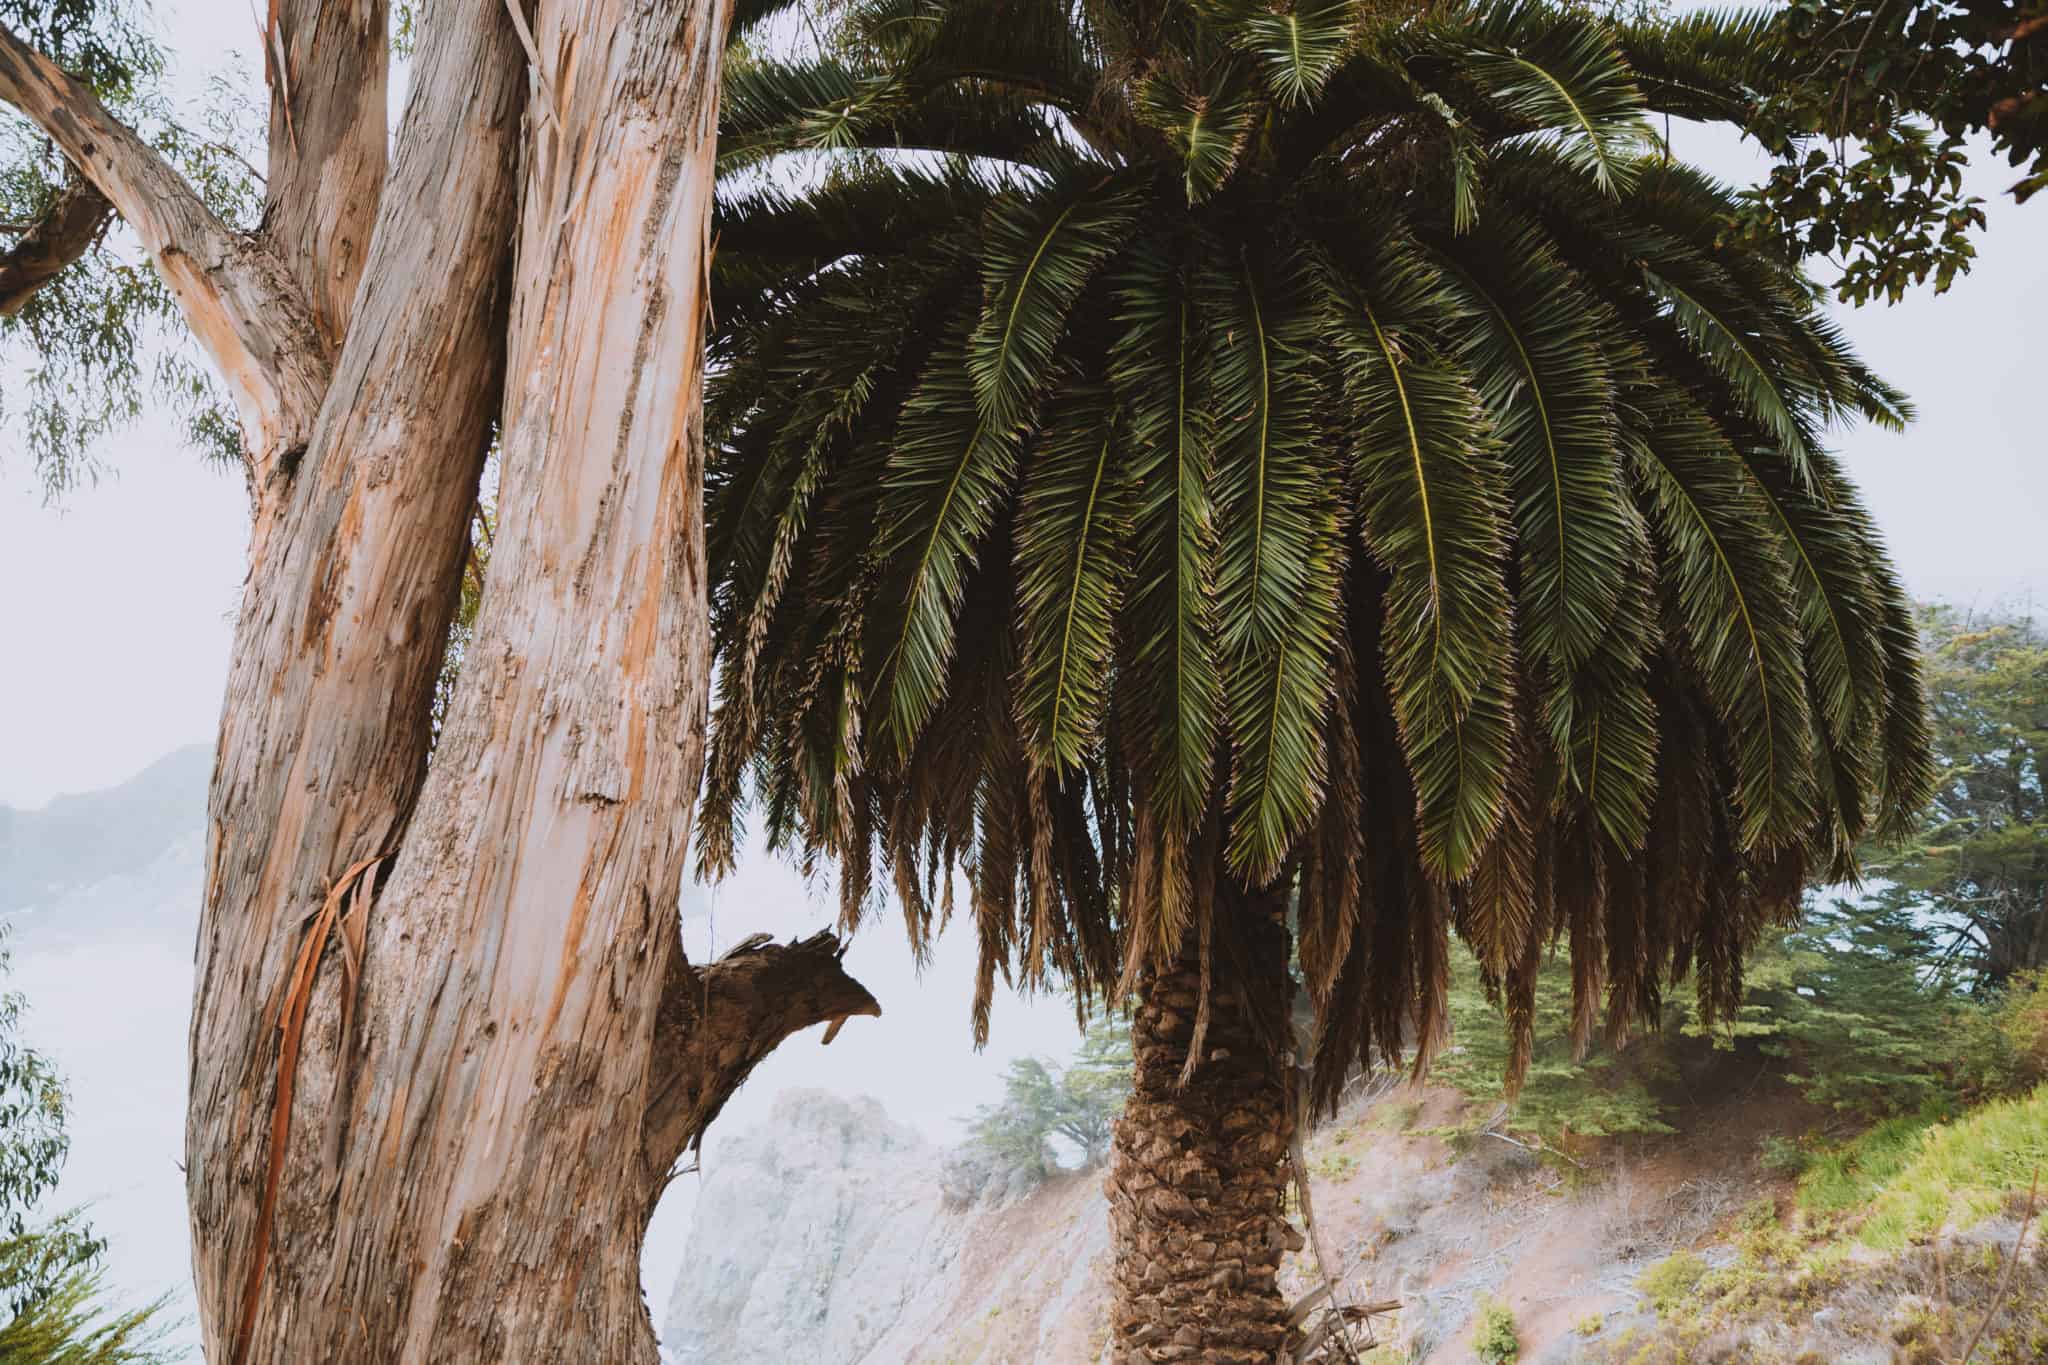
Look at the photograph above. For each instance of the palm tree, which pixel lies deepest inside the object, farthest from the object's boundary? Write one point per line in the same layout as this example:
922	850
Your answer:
1196	467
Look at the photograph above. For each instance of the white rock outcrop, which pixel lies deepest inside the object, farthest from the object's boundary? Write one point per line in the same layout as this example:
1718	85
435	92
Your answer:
811	1234
828	1235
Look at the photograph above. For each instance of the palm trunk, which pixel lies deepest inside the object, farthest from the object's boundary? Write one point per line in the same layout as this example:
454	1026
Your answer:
445	1045
1198	1186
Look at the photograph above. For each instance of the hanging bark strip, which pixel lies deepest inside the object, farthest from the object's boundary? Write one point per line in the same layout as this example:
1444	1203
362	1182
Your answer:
291	1025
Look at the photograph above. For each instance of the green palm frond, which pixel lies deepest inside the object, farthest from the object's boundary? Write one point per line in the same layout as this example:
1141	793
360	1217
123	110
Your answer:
1039	252
1729	590
1275	694
1276	555
1533	340
1706	64
773	233
1744	359
1072	523
1159	368
947	469
1605	722
1269	471
1562	76
768	107
1208	128
775	109
1295	50
1434	508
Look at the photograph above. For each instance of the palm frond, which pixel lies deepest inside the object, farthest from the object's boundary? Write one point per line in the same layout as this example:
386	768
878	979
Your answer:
1159	368
1728	586
949	469
1295	50
1071	565
1277	554
1563	77
1431	489
1039	252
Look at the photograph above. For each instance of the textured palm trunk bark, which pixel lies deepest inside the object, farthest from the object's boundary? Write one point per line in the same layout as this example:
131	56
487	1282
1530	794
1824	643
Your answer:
446	1049
1198	1183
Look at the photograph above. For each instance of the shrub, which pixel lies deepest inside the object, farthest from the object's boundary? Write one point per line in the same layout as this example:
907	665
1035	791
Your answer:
1759	1215
1782	1156
1043	1101
1670	1283
1493	1334
2000	1048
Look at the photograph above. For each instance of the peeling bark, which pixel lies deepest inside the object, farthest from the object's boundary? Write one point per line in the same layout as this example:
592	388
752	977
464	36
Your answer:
355	572
446	1047
327	63
1197	1187
71	227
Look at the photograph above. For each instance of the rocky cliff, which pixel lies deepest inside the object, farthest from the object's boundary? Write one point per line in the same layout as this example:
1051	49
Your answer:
831	1234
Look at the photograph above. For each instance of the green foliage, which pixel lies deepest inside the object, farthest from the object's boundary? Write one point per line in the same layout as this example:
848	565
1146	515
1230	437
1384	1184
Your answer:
1605	1093
1782	1156
63	1323
49	1286
2001	1048
1976	871
1494	1339
1670	1282
1848	1000
1847	1176
1228	442
1868	113
1960	1172
82	351
1043	1101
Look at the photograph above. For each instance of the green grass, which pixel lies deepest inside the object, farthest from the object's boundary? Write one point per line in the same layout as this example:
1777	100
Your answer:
1962	1172
1846	1178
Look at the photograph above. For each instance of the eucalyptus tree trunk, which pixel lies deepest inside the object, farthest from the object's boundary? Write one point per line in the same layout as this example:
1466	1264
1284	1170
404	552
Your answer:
446	1048
1198	1181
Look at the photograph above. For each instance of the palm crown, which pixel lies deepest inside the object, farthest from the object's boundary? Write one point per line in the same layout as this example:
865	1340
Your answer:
1161	441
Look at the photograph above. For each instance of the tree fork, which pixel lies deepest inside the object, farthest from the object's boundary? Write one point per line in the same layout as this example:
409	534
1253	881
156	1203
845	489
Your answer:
236	295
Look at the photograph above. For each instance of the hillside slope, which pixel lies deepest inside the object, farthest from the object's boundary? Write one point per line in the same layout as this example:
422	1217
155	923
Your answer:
826	1235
